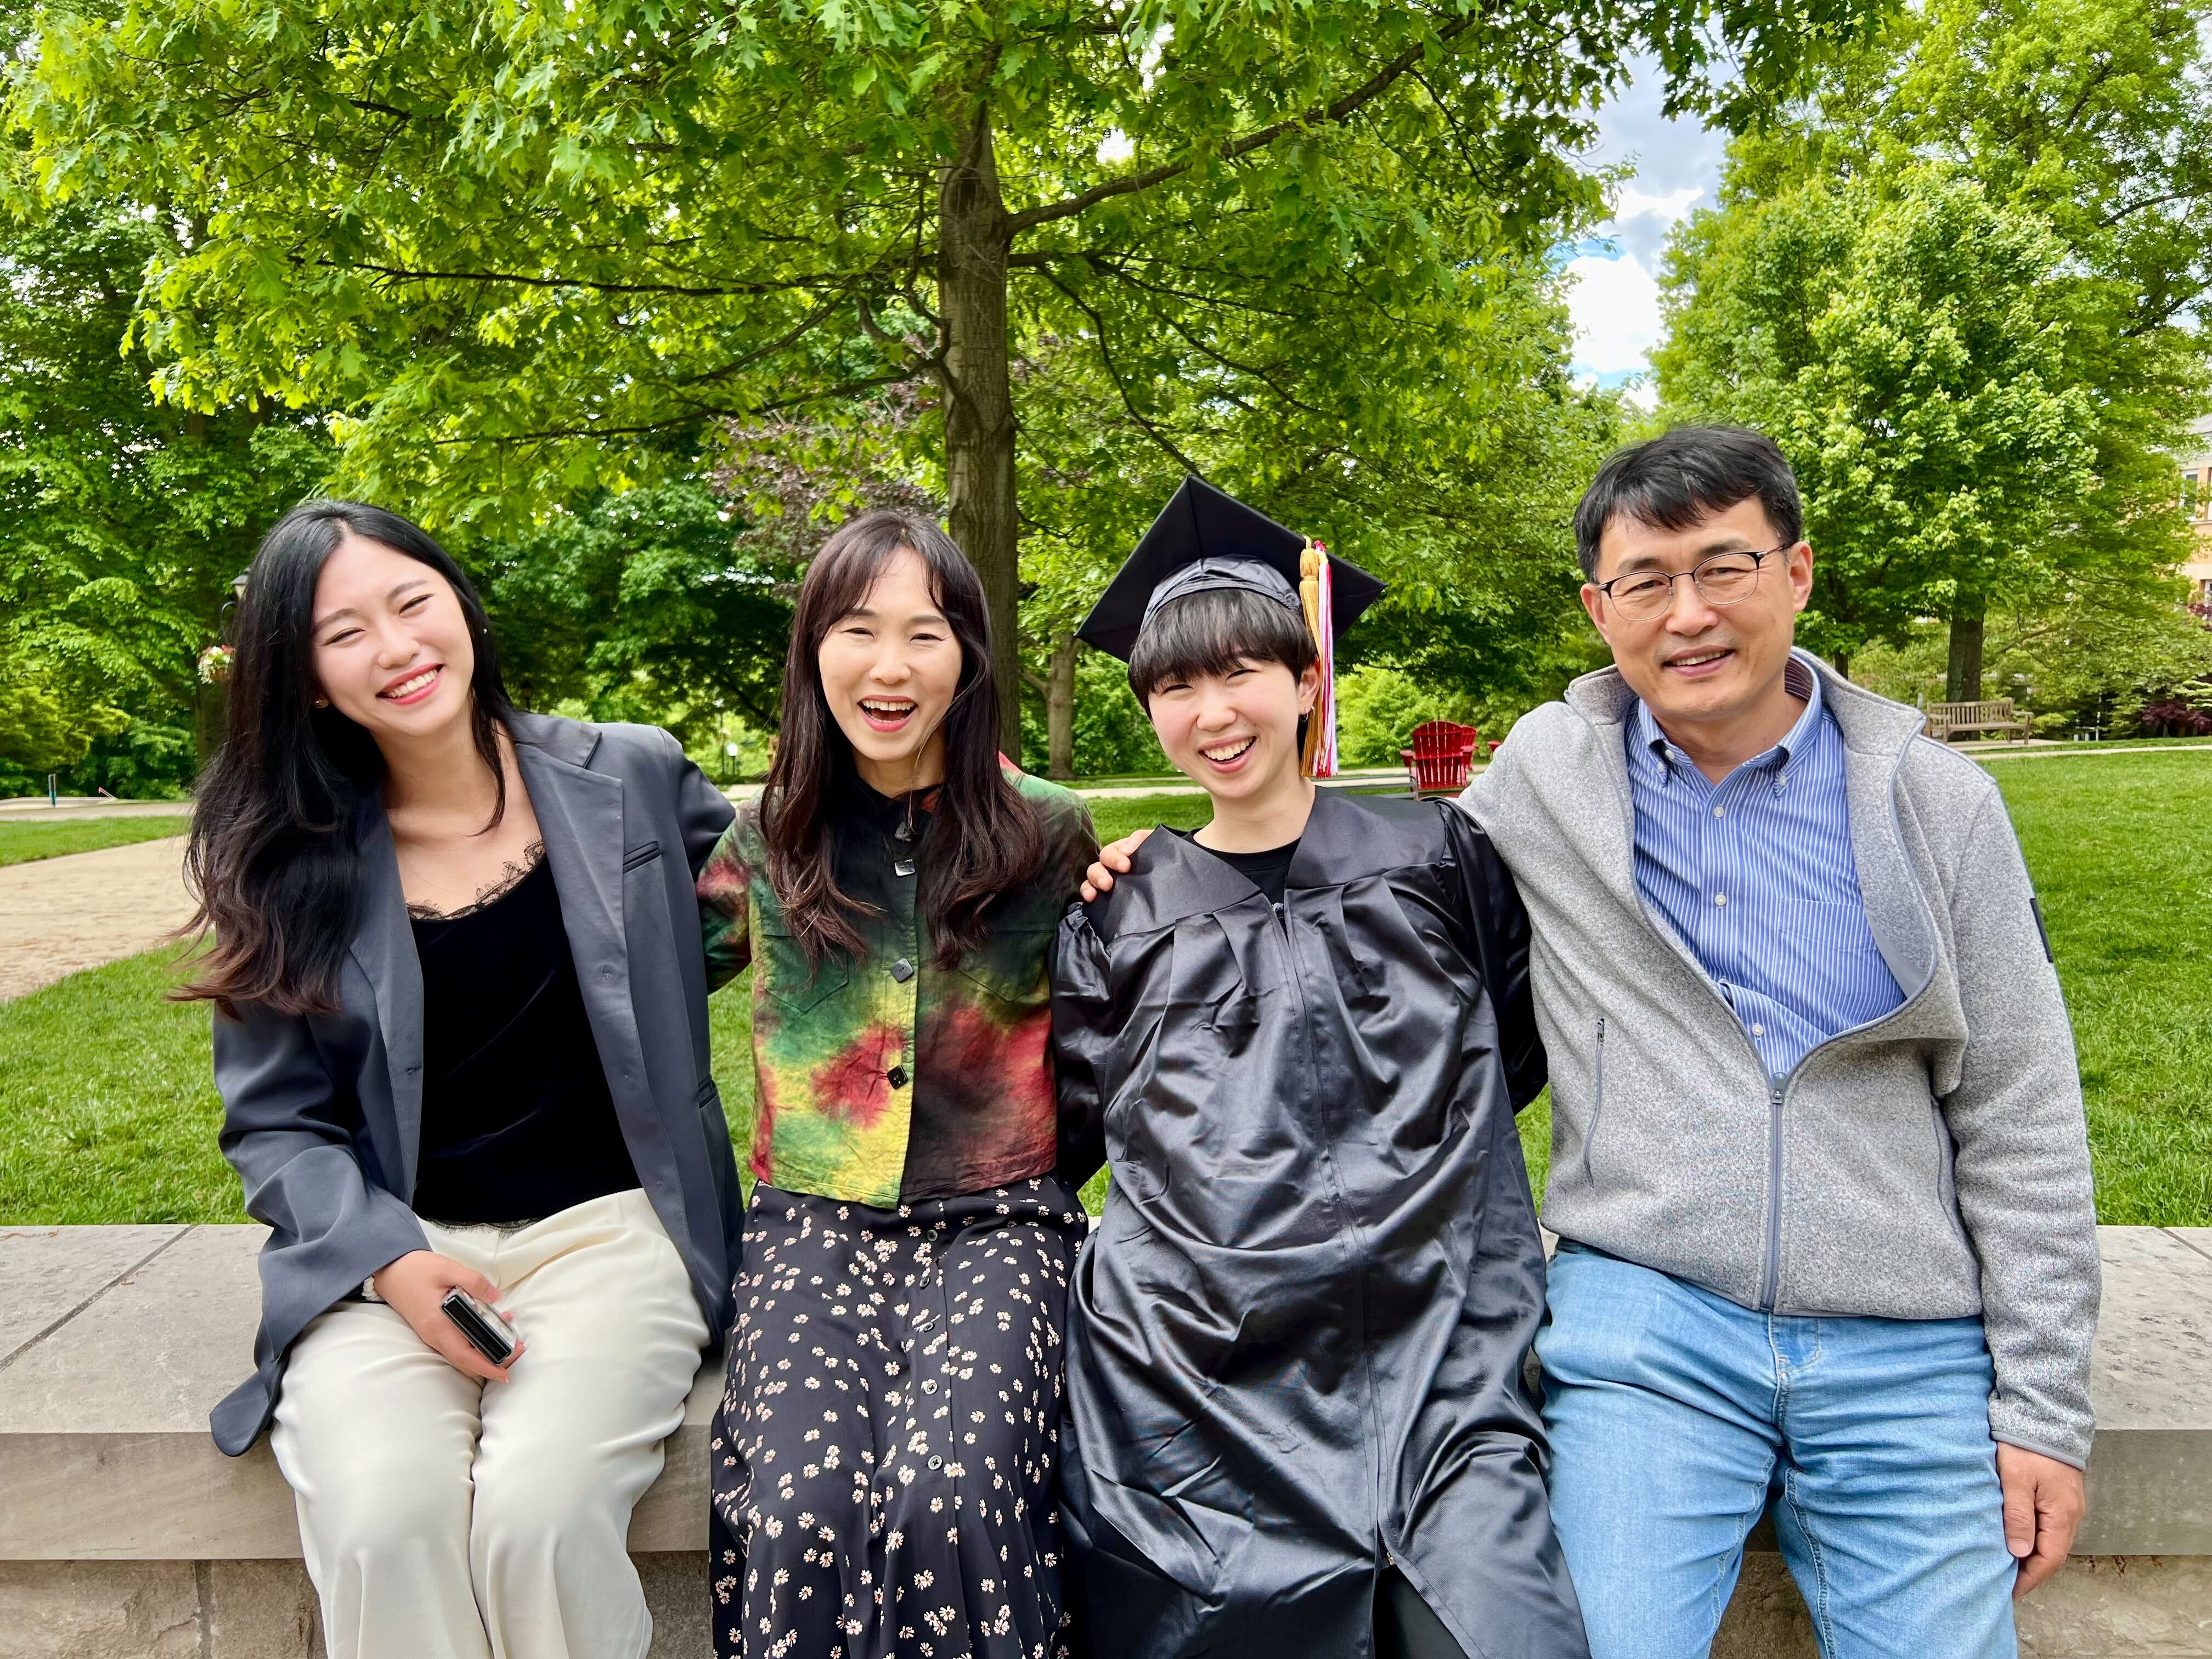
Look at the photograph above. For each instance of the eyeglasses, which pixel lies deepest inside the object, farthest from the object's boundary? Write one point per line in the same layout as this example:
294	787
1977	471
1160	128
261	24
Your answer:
1724	579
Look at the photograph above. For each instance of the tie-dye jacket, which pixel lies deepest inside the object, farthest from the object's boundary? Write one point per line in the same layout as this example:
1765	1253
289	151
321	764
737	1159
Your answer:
887	1080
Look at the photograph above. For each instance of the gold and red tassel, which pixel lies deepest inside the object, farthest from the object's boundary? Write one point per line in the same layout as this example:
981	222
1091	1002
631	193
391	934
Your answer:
1319	758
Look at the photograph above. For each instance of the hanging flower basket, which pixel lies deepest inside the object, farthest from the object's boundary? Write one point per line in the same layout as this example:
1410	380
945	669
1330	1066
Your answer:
215	665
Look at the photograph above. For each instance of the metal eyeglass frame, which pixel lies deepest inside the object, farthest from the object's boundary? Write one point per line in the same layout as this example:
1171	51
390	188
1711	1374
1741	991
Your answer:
1758	557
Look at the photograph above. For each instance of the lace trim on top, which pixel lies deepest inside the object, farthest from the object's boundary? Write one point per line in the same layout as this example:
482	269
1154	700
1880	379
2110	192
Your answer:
510	877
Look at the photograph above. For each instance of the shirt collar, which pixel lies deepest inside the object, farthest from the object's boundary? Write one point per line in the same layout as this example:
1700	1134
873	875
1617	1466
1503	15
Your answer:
1798	675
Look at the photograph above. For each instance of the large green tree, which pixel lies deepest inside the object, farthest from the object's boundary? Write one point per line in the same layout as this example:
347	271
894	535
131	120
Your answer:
1959	286
123	521
505	239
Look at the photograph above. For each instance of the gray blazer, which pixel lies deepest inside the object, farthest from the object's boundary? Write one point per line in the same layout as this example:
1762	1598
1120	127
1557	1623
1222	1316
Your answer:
322	1114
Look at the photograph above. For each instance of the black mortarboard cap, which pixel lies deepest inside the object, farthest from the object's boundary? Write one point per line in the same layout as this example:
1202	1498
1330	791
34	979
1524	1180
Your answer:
1205	539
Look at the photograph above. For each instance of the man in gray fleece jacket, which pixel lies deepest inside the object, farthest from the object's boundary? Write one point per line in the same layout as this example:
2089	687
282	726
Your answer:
1820	1167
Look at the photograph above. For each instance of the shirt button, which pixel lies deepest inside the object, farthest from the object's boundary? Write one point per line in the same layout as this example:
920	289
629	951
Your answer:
1720	899
930	1386
1720	811
902	970
896	1077
903	868
935	1461
1759	1030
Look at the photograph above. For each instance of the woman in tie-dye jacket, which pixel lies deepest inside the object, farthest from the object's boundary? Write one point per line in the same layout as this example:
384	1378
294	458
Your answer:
885	1460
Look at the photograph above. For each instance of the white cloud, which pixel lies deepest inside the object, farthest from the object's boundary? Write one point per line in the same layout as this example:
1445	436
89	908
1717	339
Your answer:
1615	305
1615	300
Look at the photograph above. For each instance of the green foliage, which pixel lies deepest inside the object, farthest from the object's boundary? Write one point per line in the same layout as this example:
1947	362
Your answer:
1297	247
1956	287
1379	708
1113	735
1919	352
639	606
503	239
122	521
2073	667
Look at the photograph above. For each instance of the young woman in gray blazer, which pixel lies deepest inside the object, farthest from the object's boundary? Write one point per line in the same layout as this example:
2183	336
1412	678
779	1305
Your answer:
461	1040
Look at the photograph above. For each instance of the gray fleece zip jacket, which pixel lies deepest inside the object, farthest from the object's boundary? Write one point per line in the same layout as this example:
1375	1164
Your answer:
1932	1164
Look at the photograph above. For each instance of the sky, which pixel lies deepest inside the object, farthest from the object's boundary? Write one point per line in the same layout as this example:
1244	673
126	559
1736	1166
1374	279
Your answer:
1615	296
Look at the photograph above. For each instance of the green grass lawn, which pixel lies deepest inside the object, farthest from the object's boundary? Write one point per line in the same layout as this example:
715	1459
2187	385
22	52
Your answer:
2121	849
106	1113
19	843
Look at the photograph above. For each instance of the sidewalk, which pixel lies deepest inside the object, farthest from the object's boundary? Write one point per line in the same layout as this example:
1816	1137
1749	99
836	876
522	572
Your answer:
61	916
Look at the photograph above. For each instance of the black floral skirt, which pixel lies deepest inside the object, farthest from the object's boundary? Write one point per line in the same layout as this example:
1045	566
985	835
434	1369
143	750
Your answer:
885	1463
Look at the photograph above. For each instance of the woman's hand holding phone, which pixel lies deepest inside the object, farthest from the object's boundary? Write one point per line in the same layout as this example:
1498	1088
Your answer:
416	1283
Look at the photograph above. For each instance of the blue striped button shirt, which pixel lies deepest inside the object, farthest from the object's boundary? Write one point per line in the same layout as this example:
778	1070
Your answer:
1755	874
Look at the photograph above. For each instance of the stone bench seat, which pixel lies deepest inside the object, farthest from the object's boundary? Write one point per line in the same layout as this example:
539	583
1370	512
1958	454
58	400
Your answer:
122	1527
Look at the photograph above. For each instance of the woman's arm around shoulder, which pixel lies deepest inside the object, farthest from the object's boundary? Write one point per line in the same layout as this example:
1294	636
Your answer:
725	885
1083	1036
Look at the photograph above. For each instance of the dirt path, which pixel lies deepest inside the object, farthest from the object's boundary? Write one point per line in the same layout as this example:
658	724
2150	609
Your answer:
60	915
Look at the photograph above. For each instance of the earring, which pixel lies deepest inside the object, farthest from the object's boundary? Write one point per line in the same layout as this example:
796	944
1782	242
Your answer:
322	702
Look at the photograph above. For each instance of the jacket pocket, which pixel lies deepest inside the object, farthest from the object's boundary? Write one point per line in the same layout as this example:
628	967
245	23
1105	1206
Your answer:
634	856
1012	965
794	983
1597	1101
1946	1174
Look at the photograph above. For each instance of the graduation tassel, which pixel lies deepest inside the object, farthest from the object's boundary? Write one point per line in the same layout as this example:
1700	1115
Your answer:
1319	760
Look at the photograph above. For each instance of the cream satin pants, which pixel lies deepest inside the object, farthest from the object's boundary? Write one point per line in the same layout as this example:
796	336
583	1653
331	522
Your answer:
444	1518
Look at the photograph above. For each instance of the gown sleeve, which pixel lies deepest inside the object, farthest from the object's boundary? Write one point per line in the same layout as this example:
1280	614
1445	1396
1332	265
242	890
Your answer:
1498	926
1083	1034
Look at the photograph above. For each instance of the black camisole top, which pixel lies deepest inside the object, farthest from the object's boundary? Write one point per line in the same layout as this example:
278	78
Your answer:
517	1121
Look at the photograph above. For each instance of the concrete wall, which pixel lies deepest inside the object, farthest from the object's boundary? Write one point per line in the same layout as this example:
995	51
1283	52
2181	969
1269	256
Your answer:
124	1534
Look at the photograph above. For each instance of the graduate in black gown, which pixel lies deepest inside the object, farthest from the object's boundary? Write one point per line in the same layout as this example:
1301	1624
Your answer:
1297	1418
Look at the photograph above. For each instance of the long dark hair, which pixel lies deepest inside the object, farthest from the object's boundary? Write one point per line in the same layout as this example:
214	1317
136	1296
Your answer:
272	859
986	839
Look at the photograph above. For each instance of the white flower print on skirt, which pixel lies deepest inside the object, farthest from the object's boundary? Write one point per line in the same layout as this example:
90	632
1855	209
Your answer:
885	1461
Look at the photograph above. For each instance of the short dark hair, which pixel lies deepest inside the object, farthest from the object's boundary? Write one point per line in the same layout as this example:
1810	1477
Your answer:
1673	480
1212	632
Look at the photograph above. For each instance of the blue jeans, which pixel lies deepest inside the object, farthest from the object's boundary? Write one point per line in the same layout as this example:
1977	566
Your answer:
1676	1416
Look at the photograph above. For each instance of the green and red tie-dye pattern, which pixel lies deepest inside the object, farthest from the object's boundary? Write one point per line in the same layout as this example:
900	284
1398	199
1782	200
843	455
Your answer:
887	1080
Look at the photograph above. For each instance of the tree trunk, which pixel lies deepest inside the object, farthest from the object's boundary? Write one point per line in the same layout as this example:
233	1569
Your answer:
972	243
1060	710
1962	679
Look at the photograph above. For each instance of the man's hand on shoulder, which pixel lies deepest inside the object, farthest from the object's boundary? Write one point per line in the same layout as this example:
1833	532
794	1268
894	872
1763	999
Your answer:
1112	861
2043	1504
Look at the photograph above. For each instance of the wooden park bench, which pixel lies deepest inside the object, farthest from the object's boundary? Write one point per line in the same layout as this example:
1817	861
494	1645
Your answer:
1994	715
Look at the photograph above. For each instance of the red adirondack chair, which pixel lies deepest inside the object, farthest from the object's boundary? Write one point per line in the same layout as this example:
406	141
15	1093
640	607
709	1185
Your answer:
1442	755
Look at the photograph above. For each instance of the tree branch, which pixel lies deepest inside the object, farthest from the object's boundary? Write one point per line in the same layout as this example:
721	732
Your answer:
1319	115
1113	374
400	273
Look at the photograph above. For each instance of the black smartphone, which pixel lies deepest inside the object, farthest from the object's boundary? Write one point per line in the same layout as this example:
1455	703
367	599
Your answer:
487	1333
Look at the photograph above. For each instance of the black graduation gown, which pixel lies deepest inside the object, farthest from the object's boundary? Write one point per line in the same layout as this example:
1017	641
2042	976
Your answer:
1295	1342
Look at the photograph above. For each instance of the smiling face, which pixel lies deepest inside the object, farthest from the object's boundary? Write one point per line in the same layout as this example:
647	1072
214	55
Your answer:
1235	733
889	668
391	646
1697	665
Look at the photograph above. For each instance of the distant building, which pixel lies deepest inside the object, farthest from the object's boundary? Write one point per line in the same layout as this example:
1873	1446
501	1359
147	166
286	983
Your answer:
2196	502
